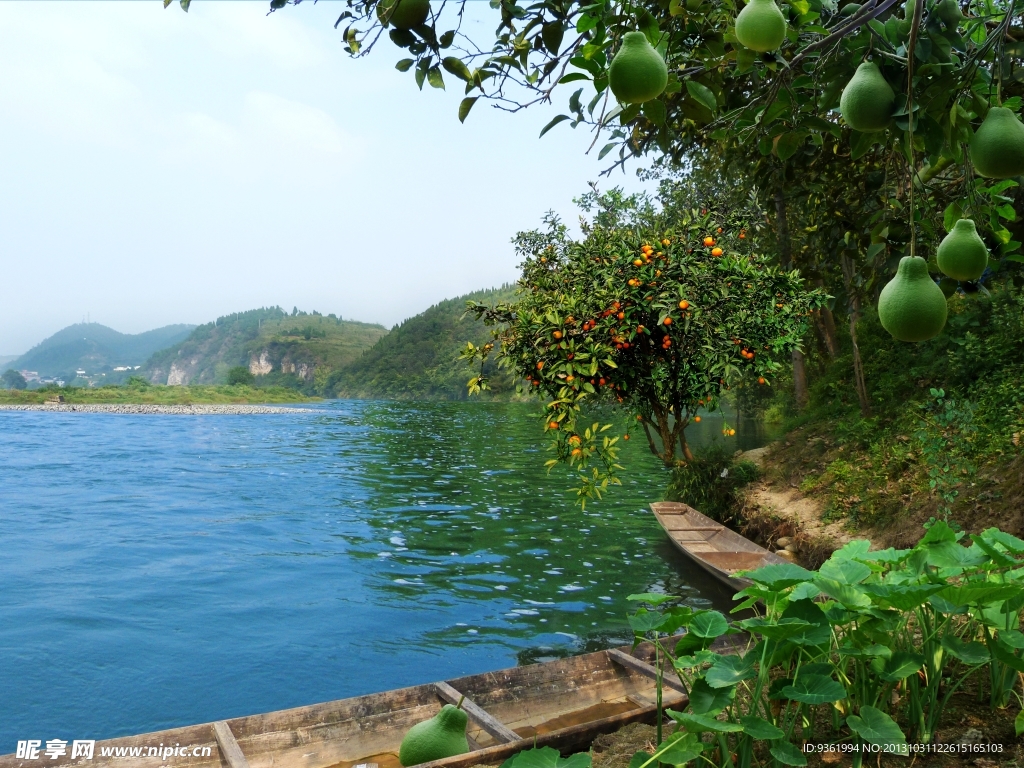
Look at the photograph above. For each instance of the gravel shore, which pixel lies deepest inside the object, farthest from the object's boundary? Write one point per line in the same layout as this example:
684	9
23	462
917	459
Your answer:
188	410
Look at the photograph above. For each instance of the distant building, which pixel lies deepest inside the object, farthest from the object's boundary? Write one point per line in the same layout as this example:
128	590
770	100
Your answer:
30	375
79	372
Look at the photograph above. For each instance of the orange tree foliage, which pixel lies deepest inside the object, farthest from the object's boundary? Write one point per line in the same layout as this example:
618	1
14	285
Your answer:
655	311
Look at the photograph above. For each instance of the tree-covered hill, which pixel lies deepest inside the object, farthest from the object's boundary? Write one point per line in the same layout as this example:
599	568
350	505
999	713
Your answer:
295	349
418	359
96	349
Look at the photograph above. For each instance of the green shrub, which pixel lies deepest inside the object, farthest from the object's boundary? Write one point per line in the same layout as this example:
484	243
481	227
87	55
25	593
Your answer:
709	482
240	375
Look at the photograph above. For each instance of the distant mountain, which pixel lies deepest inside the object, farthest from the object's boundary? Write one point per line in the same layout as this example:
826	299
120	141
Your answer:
96	348
298	349
6	359
418	360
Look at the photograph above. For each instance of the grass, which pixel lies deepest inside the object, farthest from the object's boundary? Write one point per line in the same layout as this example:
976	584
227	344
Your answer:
155	395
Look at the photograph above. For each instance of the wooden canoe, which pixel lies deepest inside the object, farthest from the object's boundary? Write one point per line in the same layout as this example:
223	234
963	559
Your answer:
715	548
564	703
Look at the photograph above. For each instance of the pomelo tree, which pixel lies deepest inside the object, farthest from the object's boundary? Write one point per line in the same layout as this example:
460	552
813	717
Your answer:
655	311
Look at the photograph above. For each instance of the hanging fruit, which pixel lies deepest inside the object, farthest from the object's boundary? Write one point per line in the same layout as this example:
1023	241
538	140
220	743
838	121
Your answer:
997	149
949	12
637	73
867	101
911	306
403	14
962	254
761	26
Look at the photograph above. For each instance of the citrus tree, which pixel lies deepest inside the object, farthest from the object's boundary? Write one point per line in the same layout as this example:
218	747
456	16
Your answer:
656	311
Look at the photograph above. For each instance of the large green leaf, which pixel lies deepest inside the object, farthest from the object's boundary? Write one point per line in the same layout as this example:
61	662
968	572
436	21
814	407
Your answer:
787	754
876	727
774	630
546	757
780	575
819	632
679	748
814	689
708	624
850	595
902	597
901	665
1012	543
972	593
969	653
702	723
702	94
844	571
705	700
651	598
730	670
759	728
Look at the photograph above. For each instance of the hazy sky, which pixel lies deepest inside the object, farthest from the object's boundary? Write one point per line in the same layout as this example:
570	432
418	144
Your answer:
160	167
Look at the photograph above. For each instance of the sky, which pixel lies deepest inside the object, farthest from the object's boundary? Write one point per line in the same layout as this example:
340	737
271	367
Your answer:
159	167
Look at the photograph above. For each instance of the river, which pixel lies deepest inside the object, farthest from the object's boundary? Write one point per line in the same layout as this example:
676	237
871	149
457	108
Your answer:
160	570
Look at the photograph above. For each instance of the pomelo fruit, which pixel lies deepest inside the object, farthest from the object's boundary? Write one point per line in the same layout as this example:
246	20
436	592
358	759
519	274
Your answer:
868	100
949	12
637	73
760	26
911	306
962	254
443	735
997	149
403	14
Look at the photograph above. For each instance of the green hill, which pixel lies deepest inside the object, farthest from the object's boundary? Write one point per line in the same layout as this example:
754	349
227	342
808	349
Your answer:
299	350
96	349
418	360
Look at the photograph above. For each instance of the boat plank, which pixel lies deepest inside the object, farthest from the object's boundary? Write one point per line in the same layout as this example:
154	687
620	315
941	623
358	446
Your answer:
644	668
488	723
229	749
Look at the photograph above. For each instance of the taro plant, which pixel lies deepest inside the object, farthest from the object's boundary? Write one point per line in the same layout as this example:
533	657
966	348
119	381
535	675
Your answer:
878	638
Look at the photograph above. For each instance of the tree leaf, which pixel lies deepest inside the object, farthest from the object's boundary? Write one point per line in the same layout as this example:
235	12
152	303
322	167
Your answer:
655	111
464	107
434	77
551	33
708	624
730	670
457	68
702	94
788	143
901	665
553	123
405	65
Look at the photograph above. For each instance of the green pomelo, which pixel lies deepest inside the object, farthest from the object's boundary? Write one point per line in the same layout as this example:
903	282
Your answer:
868	100
949	12
911	306
403	14
997	149
962	254
761	26
637	73
443	735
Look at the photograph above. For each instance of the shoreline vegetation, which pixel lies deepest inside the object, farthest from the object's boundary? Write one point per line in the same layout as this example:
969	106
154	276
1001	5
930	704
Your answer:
148	395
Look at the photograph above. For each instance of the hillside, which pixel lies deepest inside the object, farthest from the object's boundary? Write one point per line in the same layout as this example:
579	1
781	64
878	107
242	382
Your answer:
299	350
418	360
96	349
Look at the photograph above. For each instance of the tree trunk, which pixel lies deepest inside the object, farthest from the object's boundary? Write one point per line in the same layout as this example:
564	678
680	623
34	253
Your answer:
826	322
800	380
685	446
859	382
786	262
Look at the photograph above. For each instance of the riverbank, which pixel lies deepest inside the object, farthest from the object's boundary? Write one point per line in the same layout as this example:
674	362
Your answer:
148	394
140	408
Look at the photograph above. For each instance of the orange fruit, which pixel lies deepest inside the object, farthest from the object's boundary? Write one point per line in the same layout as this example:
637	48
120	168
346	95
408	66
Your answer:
719	230
638	262
552	425
760	380
625	437
743	235
557	334
600	382
716	251
570	378
666	241
684	304
540	365
621	315
709	241
640	329
576	452
732	432
574	440
667	321
570	356
697	419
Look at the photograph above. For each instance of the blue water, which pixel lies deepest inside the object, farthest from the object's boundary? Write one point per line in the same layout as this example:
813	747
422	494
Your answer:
158	571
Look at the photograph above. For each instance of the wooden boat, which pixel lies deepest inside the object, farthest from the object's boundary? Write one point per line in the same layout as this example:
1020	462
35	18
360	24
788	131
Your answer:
715	548
564	703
